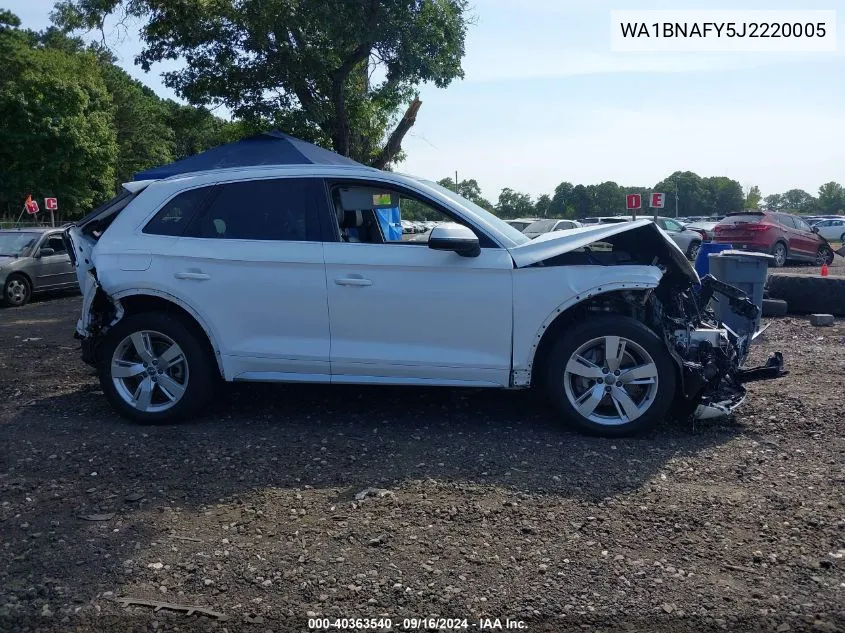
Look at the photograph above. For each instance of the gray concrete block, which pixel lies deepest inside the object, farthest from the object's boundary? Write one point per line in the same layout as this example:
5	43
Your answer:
820	320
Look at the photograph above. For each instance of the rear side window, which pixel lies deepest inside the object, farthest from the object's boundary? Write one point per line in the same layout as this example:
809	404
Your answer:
178	212
286	209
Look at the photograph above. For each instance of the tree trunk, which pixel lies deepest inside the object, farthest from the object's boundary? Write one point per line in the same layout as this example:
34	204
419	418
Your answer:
394	143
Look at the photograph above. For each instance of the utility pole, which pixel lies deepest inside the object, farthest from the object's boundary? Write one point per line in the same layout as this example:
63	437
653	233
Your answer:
676	199
457	190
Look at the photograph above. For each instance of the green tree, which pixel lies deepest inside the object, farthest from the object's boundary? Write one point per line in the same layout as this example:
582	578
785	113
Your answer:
306	66
773	202
797	201
608	199
725	195
513	204
582	202
56	124
469	189
831	199
560	206
693	195
541	207
753	198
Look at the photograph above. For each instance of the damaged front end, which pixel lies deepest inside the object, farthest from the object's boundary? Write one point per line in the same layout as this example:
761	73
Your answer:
710	355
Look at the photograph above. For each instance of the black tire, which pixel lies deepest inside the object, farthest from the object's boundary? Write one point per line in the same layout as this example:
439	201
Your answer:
17	291
824	256
596	328
200	365
693	249
775	307
809	294
781	254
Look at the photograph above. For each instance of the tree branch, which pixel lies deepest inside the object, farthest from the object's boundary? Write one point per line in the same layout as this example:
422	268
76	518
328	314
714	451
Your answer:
394	142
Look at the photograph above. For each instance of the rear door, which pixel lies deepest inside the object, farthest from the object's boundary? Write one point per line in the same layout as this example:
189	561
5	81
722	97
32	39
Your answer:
802	243
250	261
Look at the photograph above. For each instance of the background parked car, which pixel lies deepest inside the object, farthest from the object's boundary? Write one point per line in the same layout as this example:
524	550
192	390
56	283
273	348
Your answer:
785	236
538	228
33	260
688	239
521	223
831	230
704	226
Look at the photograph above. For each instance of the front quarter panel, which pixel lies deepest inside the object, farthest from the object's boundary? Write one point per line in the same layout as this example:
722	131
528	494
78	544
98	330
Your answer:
541	294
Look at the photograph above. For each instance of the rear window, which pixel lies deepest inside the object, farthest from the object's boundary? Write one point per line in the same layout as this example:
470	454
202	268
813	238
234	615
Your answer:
744	218
541	226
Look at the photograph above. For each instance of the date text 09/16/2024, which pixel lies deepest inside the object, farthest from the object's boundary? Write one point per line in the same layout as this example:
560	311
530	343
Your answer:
417	624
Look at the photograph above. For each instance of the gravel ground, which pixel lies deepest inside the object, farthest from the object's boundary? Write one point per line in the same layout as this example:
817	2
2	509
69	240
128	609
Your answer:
480	504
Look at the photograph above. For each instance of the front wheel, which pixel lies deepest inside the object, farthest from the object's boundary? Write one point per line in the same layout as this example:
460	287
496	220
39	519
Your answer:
692	251
611	376
154	368
824	256
16	291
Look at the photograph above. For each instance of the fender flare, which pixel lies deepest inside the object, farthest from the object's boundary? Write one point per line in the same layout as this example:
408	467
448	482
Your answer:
203	323
522	377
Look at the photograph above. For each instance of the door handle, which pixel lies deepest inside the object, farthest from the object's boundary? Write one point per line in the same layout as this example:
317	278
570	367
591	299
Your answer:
196	276
353	281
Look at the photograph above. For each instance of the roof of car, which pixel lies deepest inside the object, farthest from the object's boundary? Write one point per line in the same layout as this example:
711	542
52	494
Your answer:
294	169
29	229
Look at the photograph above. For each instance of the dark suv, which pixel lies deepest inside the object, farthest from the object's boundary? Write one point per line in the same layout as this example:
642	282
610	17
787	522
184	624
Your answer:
785	236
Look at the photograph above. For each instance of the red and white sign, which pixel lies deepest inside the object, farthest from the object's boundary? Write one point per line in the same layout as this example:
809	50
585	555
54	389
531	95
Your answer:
51	204
658	200
31	205
633	201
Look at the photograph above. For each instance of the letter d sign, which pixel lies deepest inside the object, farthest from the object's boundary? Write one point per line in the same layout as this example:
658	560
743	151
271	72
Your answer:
657	200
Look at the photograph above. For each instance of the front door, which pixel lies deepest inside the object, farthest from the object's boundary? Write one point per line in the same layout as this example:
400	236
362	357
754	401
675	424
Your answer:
404	313
250	261
54	270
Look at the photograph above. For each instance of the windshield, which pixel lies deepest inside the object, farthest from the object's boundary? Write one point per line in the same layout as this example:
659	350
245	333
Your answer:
17	244
540	226
512	236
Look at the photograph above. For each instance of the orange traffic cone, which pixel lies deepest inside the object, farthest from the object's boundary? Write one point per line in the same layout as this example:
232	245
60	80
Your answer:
824	270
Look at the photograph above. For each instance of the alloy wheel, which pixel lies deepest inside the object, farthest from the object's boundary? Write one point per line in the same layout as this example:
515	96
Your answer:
149	371
611	380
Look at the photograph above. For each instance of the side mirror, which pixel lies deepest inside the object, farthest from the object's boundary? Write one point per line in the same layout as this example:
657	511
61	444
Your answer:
450	236
815	229
46	252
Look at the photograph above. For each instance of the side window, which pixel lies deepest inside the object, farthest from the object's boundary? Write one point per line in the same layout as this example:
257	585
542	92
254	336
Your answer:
372	215
671	225
785	220
178	212
284	209
56	243
661	223
801	224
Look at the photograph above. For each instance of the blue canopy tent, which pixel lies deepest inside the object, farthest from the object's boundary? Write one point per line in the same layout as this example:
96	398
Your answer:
269	148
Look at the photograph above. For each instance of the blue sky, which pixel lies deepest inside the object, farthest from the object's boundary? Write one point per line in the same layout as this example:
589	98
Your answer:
544	100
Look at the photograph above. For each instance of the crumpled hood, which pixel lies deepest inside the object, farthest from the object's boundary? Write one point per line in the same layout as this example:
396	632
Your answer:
556	243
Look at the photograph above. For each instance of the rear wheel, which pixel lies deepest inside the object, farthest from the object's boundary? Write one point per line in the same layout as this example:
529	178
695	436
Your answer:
154	368
779	252
17	290
611	376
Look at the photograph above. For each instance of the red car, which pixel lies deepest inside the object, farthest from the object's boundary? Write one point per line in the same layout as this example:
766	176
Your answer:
785	236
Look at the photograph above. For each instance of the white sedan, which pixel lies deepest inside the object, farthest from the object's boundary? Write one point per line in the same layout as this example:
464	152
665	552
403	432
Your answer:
831	230
255	274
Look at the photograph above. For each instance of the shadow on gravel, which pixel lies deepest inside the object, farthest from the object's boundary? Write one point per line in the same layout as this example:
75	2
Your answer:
70	456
